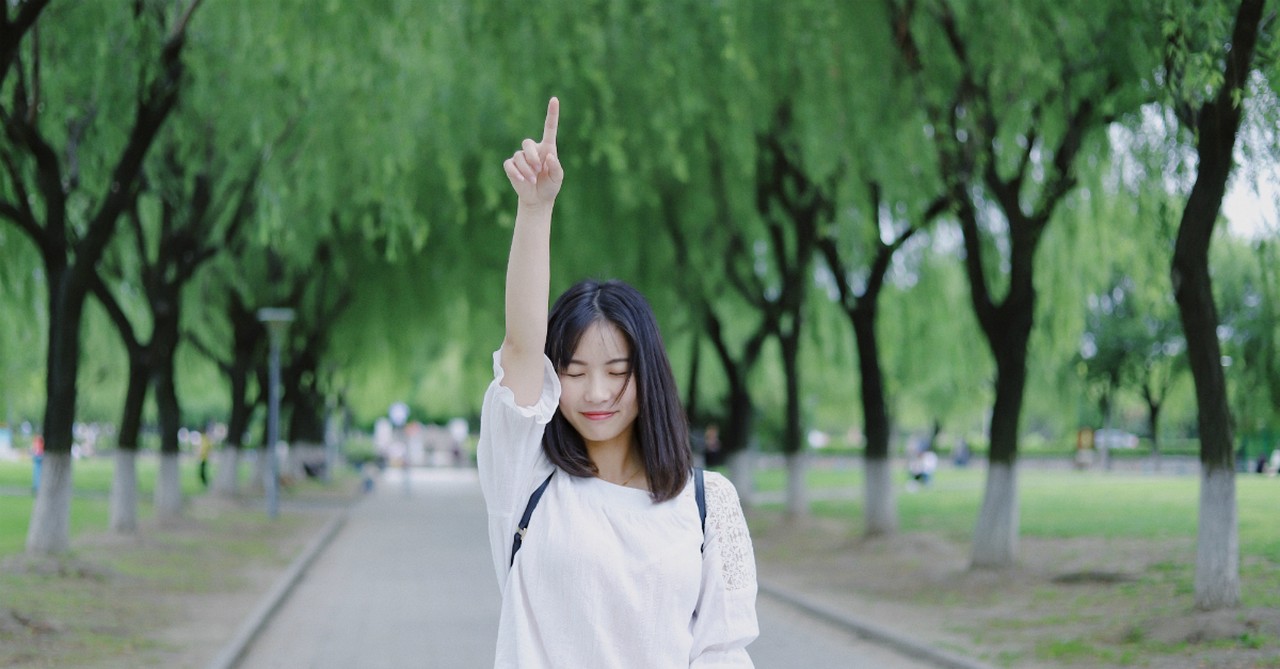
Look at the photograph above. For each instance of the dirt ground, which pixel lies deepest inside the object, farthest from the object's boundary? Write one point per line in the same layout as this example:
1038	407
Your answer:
1068	603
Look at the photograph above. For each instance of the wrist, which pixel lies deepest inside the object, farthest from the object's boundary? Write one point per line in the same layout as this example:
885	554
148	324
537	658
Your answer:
537	207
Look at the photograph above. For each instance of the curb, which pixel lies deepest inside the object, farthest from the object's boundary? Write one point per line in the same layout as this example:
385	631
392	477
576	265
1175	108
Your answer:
234	651
871	632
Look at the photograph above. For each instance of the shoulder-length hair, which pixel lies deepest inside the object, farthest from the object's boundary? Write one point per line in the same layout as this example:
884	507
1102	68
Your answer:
661	430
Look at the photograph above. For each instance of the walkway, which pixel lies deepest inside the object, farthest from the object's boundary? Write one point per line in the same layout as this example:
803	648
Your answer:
406	581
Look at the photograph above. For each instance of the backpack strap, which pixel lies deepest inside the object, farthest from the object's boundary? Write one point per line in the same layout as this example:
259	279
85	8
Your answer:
524	520
700	496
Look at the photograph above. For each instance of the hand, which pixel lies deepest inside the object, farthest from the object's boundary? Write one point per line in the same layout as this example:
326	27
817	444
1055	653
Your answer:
535	171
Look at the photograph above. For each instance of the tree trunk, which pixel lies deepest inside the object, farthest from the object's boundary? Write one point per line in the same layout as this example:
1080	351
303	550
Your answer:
1217	583
739	422
995	541
49	531
797	491
995	538
742	470
168	495
124	492
258	480
736	434
793	443
124	503
1006	327
306	409
881	513
691	386
227	475
226	470
1153	426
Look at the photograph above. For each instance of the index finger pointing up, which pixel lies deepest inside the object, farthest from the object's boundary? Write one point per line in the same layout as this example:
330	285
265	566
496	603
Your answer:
553	121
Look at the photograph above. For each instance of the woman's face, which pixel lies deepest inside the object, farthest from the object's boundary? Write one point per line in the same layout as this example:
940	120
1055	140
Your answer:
598	395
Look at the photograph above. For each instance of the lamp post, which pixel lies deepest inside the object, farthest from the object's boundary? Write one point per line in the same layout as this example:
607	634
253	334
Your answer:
277	322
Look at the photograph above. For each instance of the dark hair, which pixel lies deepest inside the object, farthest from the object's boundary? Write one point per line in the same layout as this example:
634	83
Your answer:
661	430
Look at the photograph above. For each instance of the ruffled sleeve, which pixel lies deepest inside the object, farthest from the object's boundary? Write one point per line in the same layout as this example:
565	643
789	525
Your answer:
725	621
509	455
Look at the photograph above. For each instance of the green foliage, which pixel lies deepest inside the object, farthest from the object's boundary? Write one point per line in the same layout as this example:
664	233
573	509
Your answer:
381	132
1247	286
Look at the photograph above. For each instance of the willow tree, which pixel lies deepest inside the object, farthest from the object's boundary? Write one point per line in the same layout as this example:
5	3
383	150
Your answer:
73	149
858	290
351	152
184	216
1010	121
1213	119
887	202
1209	106
671	147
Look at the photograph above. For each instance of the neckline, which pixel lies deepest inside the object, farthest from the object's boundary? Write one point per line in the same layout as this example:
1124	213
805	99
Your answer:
616	495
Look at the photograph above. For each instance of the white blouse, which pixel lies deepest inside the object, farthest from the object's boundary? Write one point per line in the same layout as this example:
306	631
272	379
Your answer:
605	577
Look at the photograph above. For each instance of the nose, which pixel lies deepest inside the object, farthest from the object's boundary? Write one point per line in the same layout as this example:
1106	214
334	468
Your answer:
599	389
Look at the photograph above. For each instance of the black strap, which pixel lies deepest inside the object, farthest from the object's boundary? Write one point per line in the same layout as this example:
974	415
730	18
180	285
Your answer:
524	520
700	495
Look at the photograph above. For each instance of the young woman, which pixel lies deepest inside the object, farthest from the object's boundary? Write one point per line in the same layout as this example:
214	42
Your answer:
616	567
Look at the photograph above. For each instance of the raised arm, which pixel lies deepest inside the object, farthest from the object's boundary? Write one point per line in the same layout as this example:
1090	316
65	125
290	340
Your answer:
536	174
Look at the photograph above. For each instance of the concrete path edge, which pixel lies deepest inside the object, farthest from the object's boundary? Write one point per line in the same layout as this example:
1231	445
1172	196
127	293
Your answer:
235	649
870	631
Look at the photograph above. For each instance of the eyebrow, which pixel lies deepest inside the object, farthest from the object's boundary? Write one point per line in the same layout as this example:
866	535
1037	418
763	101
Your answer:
610	362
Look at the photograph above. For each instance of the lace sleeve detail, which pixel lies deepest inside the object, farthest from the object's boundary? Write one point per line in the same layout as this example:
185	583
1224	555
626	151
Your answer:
726	522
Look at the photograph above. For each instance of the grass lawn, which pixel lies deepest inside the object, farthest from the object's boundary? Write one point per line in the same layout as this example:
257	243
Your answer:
91	478
112	599
1057	503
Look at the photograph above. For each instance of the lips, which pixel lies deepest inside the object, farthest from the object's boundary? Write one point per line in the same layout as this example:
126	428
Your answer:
598	415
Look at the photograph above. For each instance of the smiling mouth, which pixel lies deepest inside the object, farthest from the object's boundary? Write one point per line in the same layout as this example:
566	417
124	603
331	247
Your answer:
597	415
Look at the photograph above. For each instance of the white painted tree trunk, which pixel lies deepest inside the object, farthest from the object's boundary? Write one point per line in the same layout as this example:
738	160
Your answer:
168	497
1217	583
258	482
797	490
995	539
742	469
878	493
50	531
124	492
226	472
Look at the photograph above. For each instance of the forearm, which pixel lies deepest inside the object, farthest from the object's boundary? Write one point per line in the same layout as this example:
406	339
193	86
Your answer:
536	174
528	289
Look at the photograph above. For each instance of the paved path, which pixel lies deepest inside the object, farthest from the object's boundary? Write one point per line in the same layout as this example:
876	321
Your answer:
407	582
